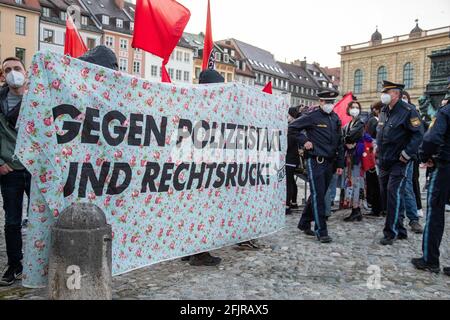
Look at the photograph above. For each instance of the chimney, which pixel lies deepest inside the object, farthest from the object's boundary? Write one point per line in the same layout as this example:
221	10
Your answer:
120	4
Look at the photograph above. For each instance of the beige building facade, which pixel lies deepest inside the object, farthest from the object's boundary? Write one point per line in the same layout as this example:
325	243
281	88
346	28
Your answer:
400	59
19	29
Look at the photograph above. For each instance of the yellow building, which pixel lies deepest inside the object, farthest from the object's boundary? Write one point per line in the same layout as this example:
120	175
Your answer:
401	59
19	29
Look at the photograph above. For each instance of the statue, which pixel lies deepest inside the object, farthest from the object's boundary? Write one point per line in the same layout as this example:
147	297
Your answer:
427	110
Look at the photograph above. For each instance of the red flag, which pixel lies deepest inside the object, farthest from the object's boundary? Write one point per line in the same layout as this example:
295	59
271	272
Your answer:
73	44
268	88
208	48
341	108
158	26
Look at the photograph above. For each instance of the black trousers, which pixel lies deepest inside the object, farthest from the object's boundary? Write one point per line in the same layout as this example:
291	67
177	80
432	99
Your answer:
438	194
416	185
13	186
373	191
291	188
392	183
319	177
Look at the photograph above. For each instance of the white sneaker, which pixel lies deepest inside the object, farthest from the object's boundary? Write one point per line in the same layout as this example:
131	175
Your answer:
447	207
420	213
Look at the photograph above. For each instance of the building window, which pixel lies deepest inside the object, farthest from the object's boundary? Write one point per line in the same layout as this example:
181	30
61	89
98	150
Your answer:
154	71
109	41
124	44
63	15
123	65
171	73
358	81
20	53
119	23
226	58
137	67
131	26
197	72
408	75
229	77
179	56
20	25
187	76
381	76
49	36
105	19
218	56
46	12
91	43
178	75
187	57
19	1
84	20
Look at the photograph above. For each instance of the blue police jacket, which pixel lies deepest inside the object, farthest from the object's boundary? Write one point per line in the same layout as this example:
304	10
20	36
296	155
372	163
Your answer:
323	131
436	142
399	133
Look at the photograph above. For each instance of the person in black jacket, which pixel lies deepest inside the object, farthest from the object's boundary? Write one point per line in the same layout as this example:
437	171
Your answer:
435	152
320	133
400	132
353	133
292	162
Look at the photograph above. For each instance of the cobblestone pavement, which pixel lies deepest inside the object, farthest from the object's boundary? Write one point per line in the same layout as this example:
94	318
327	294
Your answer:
290	265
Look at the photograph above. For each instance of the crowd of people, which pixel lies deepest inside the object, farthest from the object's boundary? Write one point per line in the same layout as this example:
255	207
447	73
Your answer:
375	162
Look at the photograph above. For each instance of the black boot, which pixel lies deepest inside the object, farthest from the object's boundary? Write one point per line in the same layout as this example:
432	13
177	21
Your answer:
204	259
355	216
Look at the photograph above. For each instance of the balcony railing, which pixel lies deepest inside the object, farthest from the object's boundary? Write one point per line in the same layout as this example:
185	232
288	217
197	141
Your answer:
395	39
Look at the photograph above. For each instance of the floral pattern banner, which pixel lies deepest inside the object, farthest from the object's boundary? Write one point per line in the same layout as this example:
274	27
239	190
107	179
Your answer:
177	169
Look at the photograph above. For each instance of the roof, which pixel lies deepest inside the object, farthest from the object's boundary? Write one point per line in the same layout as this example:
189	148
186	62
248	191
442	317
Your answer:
62	5
98	8
336	72
27	4
260	59
238	57
298	75
194	40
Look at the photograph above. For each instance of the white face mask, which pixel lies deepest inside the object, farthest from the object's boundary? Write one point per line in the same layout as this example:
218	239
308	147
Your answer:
354	112
15	79
386	98
328	108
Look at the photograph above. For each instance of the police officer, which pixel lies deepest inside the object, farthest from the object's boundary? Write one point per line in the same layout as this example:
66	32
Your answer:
319	132
400	133
435	152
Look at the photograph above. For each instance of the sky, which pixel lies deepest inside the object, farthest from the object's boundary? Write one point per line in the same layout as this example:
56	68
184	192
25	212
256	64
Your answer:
315	29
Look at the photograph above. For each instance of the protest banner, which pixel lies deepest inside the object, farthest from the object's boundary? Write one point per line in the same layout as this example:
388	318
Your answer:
178	169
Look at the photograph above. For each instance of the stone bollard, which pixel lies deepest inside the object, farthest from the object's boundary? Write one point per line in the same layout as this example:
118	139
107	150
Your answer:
80	255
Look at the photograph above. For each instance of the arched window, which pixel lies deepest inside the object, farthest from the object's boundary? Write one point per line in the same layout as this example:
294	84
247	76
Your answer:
358	81
381	76
408	75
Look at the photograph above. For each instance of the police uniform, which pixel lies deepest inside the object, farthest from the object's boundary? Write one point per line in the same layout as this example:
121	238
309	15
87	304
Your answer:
399	135
323	130
436	147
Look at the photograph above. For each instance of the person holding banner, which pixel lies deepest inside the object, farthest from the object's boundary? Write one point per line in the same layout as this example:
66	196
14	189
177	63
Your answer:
14	178
322	140
206	259
292	162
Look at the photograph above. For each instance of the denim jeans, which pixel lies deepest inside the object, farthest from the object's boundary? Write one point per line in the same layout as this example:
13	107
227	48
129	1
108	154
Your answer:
13	186
330	195
408	203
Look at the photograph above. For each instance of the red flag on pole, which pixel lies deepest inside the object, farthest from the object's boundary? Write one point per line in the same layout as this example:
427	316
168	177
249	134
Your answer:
158	26
341	108
268	88
208	48
73	44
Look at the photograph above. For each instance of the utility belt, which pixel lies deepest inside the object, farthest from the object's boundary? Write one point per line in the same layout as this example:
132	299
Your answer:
320	160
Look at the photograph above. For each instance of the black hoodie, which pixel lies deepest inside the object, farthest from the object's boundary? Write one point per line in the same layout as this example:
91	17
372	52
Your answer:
101	56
